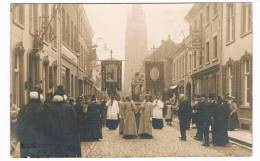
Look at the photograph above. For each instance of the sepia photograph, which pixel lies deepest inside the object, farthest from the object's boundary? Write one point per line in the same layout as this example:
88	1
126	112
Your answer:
120	80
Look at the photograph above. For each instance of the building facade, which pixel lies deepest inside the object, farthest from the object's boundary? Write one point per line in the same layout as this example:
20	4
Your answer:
221	53
205	21
237	58
44	48
182	68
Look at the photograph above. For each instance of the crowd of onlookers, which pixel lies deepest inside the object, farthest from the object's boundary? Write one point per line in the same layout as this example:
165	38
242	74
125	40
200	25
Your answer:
54	127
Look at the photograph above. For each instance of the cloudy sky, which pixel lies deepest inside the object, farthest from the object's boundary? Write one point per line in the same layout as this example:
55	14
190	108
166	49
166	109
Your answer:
109	24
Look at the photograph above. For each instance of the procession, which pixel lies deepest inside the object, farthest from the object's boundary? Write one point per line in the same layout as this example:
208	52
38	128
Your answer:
55	127
145	80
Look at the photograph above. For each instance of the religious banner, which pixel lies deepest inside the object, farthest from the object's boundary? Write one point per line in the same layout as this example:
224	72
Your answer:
111	73
154	77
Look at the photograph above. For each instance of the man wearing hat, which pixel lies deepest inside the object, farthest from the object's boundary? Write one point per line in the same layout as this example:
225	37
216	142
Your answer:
184	116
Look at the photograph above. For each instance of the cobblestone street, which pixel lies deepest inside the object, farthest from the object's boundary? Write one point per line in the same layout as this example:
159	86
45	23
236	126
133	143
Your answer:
165	143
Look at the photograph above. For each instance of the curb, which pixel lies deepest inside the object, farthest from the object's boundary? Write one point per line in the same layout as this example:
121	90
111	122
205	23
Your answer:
241	142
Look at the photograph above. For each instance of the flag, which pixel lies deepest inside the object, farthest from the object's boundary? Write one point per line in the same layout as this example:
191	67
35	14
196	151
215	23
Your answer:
111	74
154	77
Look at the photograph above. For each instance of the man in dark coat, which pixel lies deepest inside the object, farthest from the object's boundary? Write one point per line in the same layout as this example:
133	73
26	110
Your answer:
199	116
205	120
184	116
29	131
93	121
61	127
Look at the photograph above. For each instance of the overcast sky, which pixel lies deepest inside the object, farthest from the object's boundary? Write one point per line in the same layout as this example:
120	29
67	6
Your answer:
109	25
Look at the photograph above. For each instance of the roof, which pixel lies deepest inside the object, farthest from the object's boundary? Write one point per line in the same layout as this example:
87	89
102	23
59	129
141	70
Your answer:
193	11
165	51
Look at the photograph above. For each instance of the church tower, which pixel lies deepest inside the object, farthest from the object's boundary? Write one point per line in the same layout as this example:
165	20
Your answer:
135	44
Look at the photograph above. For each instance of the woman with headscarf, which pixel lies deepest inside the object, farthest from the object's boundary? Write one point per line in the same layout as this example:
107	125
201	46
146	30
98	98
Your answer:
112	113
146	110
130	130
157	120
29	126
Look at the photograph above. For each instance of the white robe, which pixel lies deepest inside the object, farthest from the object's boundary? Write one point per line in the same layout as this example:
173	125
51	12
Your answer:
112	111
158	109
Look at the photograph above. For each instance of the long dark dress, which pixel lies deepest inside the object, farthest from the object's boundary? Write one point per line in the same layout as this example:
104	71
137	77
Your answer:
29	131
219	127
60	127
93	123
79	116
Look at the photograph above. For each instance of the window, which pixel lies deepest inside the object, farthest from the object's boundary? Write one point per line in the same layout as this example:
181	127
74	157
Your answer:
45	21
180	70
215	41
201	22
246	18
177	68
230	80
207	52
50	77
190	62
195	25
68	30
207	13
194	59
71	37
183	66
173	71
54	27
18	14
247	81
75	38
230	35
200	58
63	26
215	9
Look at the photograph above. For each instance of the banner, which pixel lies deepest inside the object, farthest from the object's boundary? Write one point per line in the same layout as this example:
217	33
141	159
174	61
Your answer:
154	77
111	73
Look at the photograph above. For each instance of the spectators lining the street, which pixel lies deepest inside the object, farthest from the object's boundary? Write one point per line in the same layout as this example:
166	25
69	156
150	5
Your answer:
56	127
